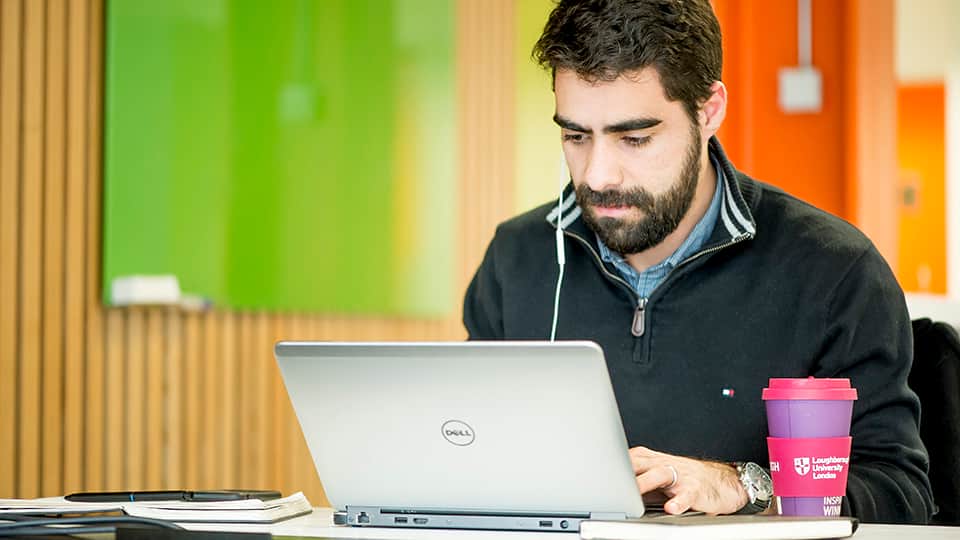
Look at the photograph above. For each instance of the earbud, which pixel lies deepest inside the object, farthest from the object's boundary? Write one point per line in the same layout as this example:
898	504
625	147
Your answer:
561	255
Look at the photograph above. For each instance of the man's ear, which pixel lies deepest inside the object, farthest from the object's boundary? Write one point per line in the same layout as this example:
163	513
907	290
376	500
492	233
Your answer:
713	110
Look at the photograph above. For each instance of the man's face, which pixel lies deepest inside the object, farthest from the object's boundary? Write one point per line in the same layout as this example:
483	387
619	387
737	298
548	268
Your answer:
634	156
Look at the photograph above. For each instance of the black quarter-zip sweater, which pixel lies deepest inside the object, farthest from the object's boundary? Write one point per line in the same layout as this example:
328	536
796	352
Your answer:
780	289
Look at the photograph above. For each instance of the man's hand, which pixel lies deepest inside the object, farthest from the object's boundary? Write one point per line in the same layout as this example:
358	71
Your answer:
688	484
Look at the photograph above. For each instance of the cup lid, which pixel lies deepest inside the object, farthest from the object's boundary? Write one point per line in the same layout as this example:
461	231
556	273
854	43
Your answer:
810	388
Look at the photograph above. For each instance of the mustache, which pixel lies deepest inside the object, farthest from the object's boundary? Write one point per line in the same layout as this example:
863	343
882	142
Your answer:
635	198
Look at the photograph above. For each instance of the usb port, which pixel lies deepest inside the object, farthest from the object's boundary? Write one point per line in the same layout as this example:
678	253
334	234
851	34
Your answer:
420	521
399	520
546	524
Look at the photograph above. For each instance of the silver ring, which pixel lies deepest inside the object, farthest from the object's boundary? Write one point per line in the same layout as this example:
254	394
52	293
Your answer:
675	477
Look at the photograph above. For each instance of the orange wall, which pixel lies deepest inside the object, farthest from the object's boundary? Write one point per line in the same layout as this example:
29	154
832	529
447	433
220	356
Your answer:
801	153
921	162
842	158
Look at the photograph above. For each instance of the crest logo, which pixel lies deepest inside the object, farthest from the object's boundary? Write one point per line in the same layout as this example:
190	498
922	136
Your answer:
457	432
801	465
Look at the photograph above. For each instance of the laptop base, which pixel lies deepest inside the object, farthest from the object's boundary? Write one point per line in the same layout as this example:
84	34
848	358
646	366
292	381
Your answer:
374	516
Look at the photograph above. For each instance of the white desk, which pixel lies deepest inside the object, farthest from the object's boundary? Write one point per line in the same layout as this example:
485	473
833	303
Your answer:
320	524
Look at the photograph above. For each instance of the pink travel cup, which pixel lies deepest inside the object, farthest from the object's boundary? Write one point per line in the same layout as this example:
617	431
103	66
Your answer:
809	443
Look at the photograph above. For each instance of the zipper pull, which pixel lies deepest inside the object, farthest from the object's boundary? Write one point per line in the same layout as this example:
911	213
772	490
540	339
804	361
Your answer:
638	318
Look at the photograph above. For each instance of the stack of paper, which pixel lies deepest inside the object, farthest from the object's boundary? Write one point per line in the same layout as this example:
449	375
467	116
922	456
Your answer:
238	511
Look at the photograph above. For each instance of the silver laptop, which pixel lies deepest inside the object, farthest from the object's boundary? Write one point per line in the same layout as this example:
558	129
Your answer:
472	435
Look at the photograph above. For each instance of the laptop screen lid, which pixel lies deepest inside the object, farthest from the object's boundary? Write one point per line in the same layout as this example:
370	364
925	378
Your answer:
483	428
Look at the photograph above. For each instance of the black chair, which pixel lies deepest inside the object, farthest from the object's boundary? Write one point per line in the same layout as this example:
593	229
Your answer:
935	378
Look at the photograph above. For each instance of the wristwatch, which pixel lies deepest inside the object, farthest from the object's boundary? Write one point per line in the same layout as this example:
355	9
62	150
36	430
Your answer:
756	482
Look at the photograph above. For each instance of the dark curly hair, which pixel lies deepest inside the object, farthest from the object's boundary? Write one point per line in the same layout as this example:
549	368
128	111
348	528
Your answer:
602	39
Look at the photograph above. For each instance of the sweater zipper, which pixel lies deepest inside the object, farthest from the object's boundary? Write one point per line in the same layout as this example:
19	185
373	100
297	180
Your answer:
638	325
638	318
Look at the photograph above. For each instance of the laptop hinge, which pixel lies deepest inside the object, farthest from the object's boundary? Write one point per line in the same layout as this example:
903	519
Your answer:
608	516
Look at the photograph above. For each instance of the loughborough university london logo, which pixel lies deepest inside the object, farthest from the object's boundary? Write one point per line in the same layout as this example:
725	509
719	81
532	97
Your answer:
801	465
457	432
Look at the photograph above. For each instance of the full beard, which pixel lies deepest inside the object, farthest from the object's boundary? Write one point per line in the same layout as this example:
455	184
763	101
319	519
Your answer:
661	214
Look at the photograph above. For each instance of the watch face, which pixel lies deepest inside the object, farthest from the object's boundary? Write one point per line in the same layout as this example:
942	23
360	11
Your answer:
759	480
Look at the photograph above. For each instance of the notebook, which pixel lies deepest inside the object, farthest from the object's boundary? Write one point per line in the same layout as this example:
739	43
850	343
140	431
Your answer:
470	435
755	527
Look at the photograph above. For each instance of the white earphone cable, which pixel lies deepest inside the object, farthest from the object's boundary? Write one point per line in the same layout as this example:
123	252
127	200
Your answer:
563	177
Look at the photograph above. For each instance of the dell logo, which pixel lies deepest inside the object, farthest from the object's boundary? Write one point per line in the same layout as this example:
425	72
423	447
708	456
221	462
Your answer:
457	432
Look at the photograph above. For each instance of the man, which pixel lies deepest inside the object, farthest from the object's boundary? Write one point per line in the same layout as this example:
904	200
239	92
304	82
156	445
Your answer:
698	282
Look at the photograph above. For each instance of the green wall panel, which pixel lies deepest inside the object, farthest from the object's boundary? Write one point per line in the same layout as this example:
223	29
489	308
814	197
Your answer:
288	155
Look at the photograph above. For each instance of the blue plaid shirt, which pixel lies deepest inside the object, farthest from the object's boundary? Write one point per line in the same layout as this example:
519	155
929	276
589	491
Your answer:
644	283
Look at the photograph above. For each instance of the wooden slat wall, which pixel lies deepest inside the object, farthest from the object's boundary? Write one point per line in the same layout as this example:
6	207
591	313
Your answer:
154	398
11	26
96	440
74	351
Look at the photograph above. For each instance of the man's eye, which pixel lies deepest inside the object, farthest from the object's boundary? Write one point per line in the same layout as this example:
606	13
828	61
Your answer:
575	138
636	141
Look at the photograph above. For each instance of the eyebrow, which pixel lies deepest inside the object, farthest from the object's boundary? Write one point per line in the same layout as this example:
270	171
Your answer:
620	127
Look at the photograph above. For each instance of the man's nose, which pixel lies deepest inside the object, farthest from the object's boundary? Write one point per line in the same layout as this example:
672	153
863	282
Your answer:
602	171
